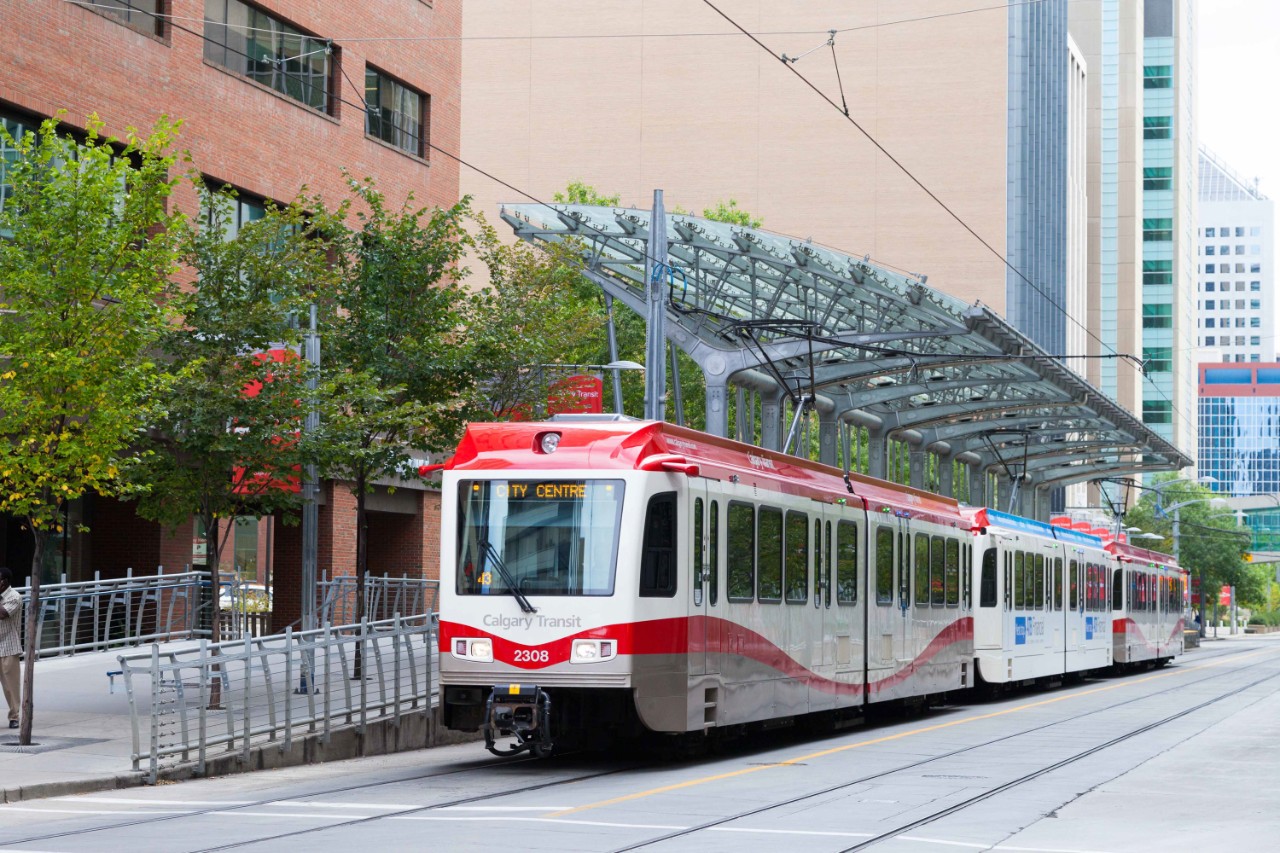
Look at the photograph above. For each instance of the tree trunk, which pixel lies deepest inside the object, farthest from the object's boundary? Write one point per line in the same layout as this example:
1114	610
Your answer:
30	644
213	552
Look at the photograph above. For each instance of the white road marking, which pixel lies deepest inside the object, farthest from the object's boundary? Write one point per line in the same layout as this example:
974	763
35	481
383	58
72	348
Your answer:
139	801
942	842
502	808
1045	849
790	832
550	820
11	808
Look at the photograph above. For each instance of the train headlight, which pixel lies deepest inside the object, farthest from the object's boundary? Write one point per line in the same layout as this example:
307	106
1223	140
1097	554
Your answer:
591	651
479	649
549	442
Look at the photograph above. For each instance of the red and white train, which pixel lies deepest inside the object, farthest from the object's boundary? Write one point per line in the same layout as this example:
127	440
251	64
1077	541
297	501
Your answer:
613	576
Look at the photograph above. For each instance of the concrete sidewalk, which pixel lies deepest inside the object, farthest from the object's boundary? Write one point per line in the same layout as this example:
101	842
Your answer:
81	740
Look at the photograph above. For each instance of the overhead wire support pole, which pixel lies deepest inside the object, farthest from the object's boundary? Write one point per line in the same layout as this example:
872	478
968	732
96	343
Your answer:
655	378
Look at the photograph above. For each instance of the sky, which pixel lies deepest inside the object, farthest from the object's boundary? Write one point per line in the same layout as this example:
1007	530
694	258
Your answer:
1238	99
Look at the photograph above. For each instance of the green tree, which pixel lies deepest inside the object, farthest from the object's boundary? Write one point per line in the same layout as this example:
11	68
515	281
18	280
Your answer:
1209	542
224	438
397	370
86	256
533	312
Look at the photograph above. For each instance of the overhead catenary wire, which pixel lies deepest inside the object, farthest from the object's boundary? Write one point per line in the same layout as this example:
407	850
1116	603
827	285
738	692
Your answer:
570	36
279	63
790	66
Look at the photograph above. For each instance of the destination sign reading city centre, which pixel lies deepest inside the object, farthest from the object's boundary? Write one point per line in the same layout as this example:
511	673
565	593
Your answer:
541	491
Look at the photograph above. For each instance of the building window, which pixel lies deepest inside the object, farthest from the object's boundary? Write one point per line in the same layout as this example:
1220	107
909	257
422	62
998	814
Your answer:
394	112
1224	250
1240	325
1157	77
1255	322
1255	286
1239	230
1255	304
1208	287
1255	230
140	15
1255	357
1255	340
1208	250
1208	322
1158	316
1208	305
1157	412
1208	232
1239	248
1255	268
1157	272
1239	305
1209	341
1160	230
1157	178
1157	360
1158	127
15	130
252	43
245	208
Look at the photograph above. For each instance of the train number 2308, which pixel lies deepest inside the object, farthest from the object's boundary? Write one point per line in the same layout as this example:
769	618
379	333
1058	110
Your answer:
532	656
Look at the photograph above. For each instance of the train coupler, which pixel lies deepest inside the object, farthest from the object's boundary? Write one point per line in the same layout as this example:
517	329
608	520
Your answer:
522	712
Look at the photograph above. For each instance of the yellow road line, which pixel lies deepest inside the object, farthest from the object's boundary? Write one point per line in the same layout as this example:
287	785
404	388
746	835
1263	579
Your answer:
872	742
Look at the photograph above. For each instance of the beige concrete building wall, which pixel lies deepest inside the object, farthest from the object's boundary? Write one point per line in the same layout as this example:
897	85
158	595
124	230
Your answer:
651	94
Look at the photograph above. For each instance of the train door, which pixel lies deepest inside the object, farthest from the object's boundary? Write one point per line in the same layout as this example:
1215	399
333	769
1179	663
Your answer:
884	620
908	625
699	572
823	582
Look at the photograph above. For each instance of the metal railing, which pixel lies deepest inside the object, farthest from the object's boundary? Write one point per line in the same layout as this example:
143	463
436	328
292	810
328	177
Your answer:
189	705
385	596
99	615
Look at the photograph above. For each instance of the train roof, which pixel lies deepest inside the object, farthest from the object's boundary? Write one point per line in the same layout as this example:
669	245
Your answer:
987	517
659	446
1135	554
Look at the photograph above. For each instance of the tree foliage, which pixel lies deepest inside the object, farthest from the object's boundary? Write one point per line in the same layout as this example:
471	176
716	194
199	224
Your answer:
398	376
85	259
1209	542
224	438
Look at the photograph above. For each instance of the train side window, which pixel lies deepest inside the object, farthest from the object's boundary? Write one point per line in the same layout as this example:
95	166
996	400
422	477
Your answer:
987	588
818	562
1019	581
696	562
884	565
658	558
953	573
1008	581
740	551
1038	578
922	569
846	563
937	572
966	576
1057	583
713	586
769	560
796	568
831	566
1073	584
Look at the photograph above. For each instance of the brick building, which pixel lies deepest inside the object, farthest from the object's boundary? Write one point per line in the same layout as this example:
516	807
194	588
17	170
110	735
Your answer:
272	98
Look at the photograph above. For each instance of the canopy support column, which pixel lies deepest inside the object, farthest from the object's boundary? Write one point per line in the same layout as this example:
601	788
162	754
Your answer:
771	420
718	405
877	456
946	471
917	461
977	485
827	437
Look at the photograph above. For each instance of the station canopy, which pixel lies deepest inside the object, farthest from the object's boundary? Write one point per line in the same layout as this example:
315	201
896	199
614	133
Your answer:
879	347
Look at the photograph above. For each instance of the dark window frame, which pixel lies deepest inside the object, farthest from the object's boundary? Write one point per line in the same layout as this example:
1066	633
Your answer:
657	576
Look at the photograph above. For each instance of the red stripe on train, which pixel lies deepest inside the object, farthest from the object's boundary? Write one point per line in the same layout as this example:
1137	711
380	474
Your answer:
672	637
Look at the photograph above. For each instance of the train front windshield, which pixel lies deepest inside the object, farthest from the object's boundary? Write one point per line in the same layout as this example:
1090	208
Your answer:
542	537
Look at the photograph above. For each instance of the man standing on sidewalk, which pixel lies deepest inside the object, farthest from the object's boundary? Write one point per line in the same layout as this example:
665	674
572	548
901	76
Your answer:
10	644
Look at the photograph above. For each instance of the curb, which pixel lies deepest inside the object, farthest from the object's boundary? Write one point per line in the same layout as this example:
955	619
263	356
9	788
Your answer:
42	790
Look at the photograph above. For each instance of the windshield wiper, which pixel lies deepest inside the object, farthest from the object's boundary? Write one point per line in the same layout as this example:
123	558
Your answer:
491	554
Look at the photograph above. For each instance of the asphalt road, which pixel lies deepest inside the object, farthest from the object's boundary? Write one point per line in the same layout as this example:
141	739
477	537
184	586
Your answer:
1179	758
